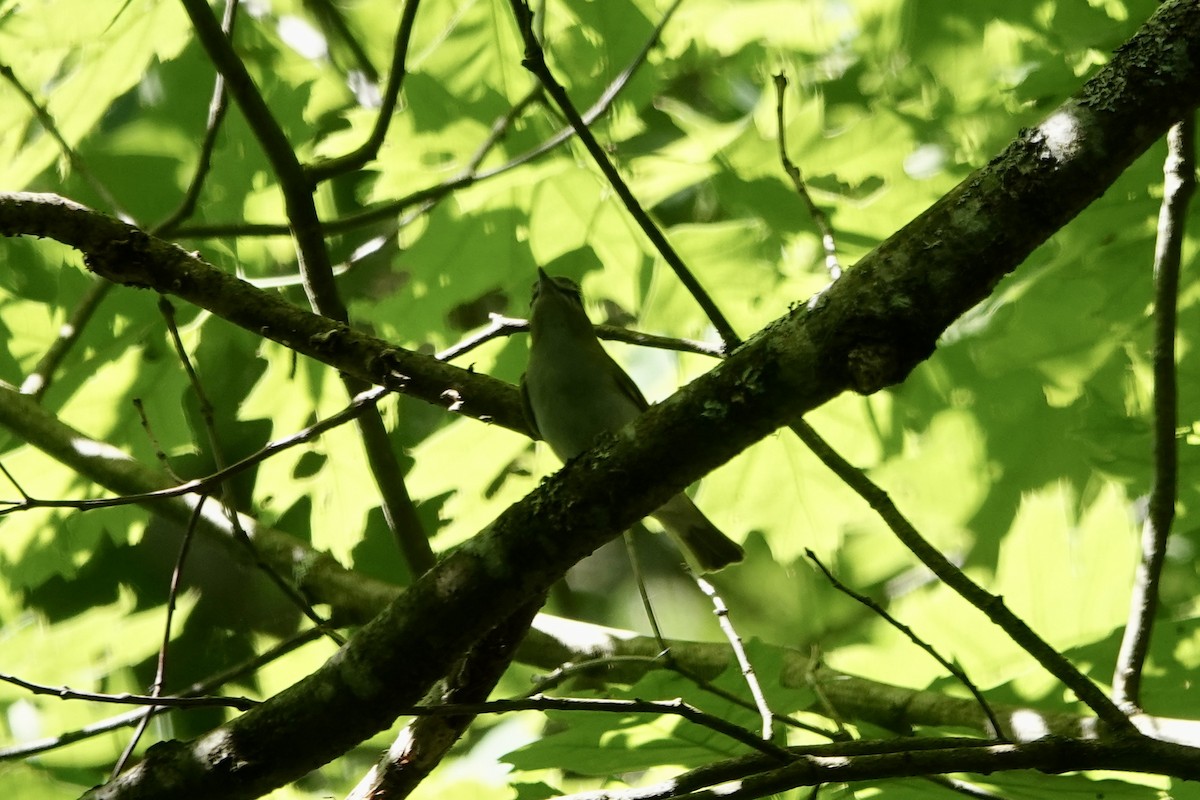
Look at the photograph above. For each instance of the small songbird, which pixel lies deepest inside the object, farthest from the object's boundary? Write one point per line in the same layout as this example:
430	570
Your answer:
573	391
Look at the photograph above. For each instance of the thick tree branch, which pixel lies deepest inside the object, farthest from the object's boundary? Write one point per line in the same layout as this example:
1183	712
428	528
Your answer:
426	740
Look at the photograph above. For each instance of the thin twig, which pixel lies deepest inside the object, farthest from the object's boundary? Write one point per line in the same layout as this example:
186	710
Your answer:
167	309
157	705
160	669
51	127
828	242
591	666
329	18
312	258
38	381
992	606
209	483
387	108
154	701
676	708
828	707
692	783
500	326
229	500
535	62
466	178
997	731
218	105
639	578
11	479
498	131
1179	183
159	453
739	650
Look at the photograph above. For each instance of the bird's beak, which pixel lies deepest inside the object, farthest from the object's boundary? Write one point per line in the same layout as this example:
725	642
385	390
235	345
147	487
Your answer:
541	288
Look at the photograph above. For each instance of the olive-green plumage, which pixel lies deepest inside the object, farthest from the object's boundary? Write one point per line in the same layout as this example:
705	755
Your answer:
574	391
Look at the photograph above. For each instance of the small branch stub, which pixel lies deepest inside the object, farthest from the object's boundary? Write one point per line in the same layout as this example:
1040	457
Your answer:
874	366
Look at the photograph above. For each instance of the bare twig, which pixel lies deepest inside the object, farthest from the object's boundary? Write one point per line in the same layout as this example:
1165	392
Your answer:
333	25
588	667
992	606
11	479
997	731
751	777
154	701
425	741
828	707
160	669
229	501
498	327
735	643
155	705
466	178
38	381
209	483
1179	183
314	263
828	242
217	107
387	107
596	666
535	62
501	326
639	579
159	453
47	122
676	708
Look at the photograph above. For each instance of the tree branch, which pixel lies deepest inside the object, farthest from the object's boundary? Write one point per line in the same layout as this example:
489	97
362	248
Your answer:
367	151
535	62
355	598
123	254
1047	755
317	272
1179	184
628	656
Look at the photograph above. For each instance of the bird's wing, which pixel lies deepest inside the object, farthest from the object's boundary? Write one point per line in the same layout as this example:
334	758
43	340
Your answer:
527	407
630	388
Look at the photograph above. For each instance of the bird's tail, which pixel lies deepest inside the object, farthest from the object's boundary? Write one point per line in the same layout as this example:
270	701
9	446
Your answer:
702	542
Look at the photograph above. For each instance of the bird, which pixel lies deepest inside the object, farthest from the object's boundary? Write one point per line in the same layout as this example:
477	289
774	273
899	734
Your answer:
573	391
